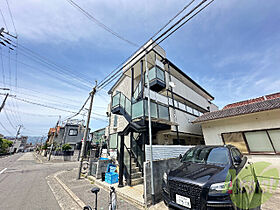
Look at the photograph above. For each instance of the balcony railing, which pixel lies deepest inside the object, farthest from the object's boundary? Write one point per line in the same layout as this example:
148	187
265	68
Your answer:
156	78
158	111
156	73
120	100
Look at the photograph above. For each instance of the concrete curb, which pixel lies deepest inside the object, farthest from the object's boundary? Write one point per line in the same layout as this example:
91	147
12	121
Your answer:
74	197
119	194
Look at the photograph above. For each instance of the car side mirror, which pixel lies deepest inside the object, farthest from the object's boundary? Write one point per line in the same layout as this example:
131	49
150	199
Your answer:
180	157
237	160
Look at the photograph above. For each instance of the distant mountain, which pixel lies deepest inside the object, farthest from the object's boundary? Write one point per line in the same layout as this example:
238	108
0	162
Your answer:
35	139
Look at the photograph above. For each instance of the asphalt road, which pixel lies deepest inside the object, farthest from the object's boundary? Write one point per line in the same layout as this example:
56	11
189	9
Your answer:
23	182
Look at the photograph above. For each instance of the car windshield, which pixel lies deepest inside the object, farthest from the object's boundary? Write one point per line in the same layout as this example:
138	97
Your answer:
207	155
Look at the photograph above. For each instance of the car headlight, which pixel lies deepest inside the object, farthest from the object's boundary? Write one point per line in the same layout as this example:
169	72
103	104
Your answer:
222	187
165	177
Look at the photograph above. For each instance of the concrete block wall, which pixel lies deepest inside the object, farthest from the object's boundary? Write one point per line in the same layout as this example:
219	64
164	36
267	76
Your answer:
159	167
97	167
166	151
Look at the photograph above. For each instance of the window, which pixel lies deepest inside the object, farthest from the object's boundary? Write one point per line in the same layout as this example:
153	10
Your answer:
275	138
207	155
258	141
236	139
189	109
195	112
261	141
115	121
235	153
73	132
113	141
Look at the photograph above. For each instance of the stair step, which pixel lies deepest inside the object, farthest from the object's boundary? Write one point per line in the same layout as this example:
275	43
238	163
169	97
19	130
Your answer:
137	181
135	170
136	175
133	165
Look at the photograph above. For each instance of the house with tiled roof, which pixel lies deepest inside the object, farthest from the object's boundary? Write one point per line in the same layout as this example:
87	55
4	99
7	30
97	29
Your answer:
251	125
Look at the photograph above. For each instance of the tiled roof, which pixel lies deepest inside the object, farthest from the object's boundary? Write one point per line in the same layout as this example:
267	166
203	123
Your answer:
269	102
254	100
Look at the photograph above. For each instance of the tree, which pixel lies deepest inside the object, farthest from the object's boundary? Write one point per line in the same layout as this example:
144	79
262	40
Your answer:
4	145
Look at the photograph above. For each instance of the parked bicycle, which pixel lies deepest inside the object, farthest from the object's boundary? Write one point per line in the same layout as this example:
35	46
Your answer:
112	202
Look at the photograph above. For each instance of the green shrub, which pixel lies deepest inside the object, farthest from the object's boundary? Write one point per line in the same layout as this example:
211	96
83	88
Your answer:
4	145
66	147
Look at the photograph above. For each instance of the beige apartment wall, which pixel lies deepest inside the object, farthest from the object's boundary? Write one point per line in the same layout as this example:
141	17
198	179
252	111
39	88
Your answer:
184	121
162	138
212	130
124	86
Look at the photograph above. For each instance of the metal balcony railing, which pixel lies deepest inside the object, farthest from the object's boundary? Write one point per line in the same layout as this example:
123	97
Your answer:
156	73
158	111
122	101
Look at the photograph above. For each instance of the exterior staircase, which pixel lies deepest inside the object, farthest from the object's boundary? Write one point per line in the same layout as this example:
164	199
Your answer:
136	174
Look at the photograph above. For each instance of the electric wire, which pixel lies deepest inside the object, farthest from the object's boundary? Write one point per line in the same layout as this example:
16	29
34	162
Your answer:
47	73
148	40
48	106
158	38
7	117
11	17
83	106
10	133
4	19
99	23
48	63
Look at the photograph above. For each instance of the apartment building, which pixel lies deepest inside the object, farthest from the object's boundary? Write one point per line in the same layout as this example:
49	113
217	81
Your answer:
70	132
176	101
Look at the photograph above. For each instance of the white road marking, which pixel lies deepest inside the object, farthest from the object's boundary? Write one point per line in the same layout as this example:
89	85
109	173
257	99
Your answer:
3	170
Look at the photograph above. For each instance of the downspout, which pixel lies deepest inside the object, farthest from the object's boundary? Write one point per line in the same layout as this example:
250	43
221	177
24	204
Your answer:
150	133
172	96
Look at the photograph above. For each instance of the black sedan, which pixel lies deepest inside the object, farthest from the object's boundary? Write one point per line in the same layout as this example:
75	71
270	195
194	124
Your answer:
212	177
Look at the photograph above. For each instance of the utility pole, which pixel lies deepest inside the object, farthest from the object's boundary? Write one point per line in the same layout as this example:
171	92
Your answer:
92	93
54	137
150	131
3	103
18	132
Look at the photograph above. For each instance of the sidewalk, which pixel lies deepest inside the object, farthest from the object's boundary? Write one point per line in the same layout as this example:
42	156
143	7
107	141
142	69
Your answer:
81	189
43	159
132	194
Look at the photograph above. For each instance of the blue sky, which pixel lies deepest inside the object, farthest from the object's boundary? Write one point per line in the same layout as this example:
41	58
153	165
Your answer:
231	49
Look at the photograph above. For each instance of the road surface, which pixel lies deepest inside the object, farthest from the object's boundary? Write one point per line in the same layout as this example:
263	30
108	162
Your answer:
23	183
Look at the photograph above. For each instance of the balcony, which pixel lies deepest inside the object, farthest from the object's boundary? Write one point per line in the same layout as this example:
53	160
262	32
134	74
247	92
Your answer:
159	112
157	79
121	104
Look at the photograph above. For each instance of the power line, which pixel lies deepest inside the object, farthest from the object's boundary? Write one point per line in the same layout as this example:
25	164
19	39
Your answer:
50	96
7	117
4	19
46	72
11	16
50	64
6	129
3	70
79	110
33	114
148	40
99	23
46	106
106	82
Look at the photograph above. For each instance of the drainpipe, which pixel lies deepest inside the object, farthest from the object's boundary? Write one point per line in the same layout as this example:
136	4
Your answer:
150	132
172	96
